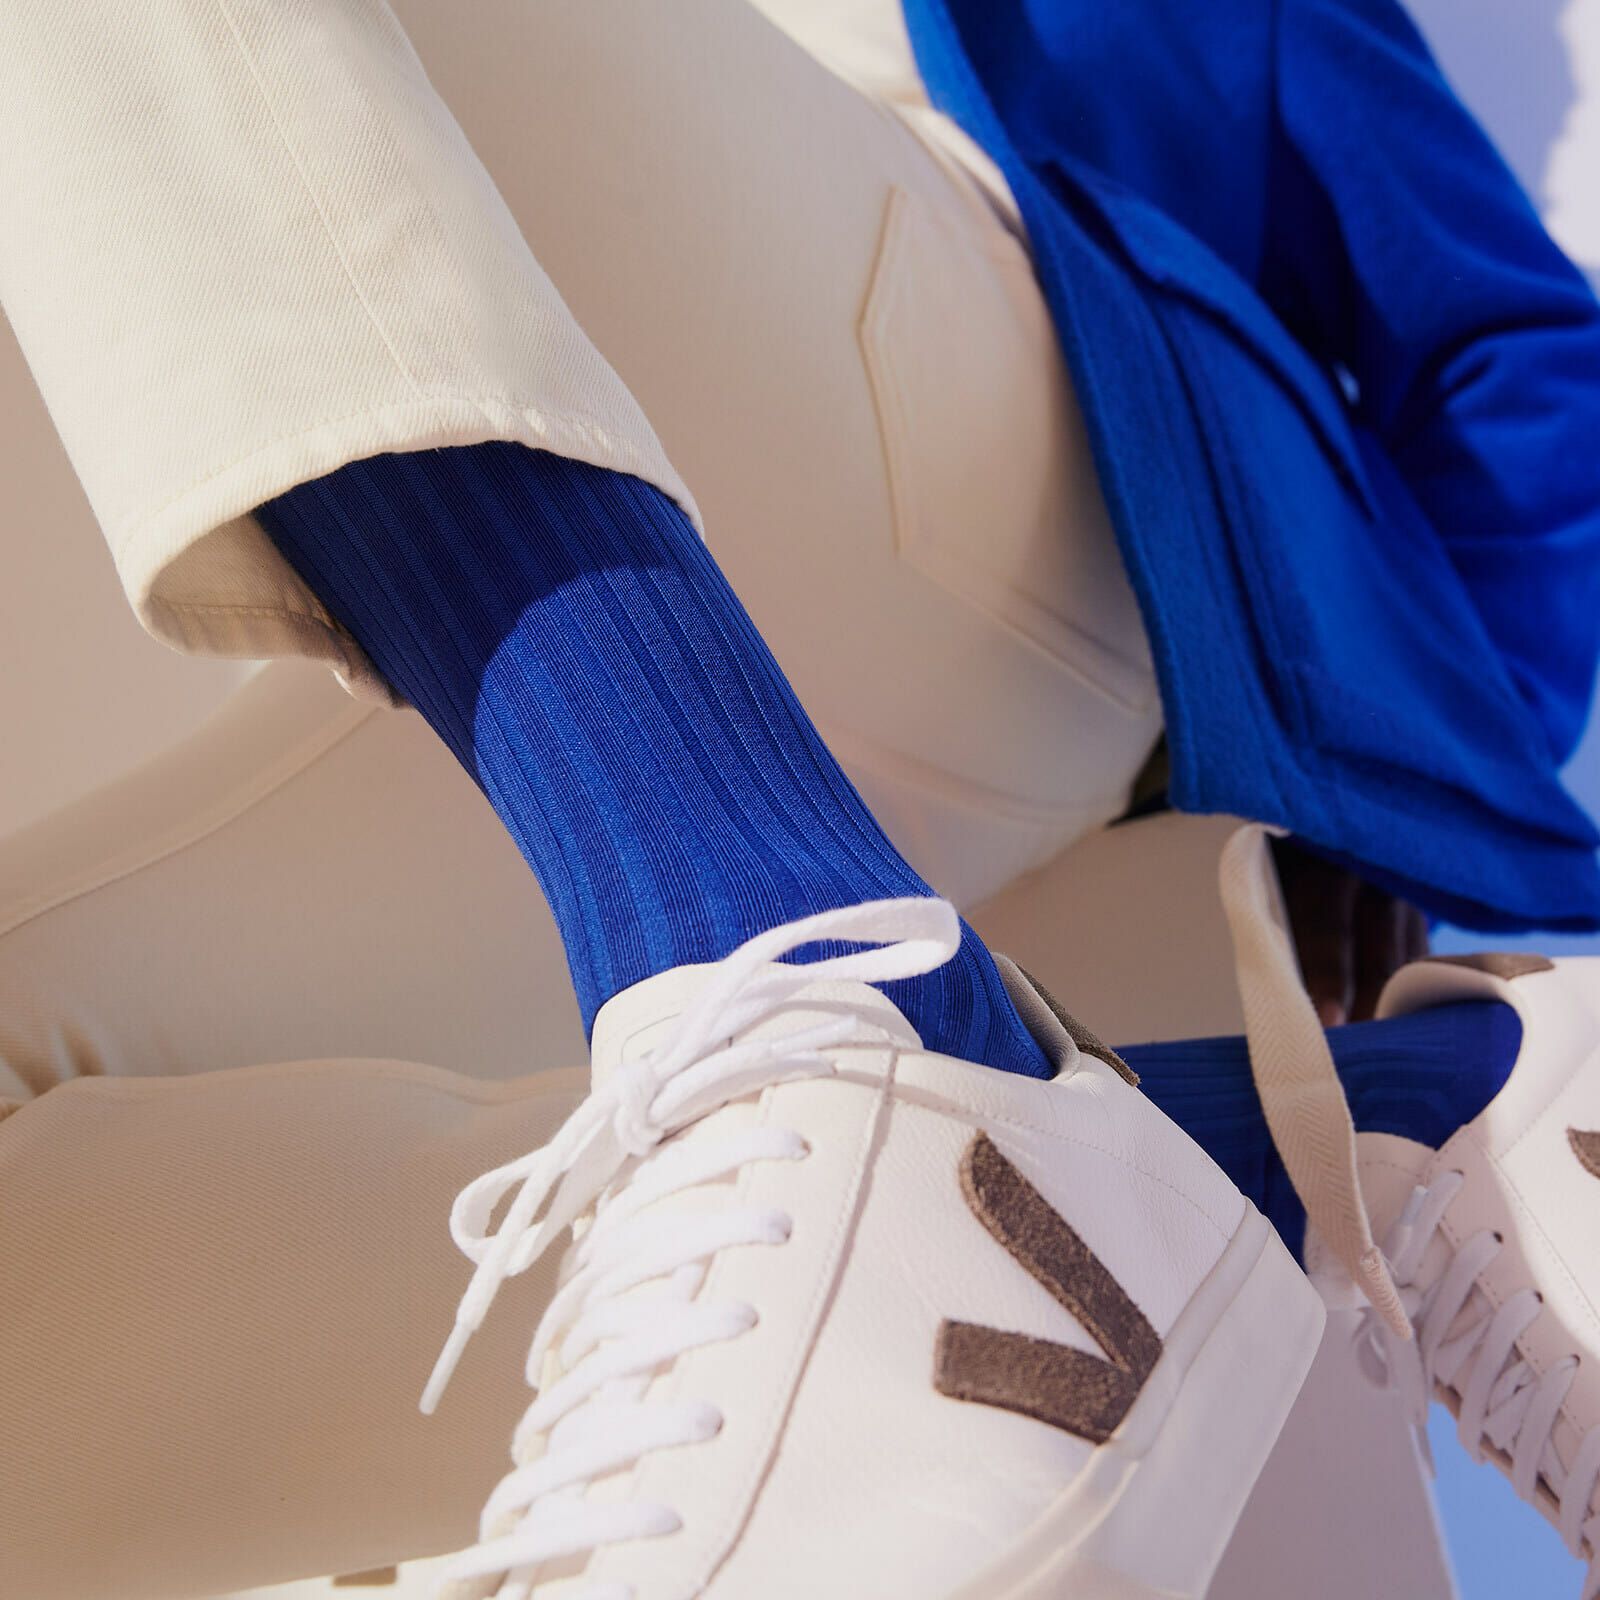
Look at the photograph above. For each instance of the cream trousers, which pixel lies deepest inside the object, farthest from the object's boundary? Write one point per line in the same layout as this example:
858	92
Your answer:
247	240
243	243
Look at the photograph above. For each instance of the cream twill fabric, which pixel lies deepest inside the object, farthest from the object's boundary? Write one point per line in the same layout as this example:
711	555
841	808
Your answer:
829	323
844	351
246	242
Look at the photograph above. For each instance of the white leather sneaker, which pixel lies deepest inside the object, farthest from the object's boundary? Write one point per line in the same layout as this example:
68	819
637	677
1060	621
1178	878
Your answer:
1494	1241
846	1318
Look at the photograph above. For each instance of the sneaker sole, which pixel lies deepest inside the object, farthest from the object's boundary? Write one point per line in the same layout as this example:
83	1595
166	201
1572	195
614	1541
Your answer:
1151	1515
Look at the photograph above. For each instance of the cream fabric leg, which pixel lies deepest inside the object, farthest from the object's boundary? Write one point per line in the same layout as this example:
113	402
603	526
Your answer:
222	1284
847	356
308	876
848	346
839	338
220	1297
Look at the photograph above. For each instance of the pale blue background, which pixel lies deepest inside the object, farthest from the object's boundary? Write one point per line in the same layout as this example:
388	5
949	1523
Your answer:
1518	64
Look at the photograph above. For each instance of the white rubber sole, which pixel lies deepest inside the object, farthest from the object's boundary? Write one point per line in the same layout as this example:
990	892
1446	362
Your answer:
1151	1515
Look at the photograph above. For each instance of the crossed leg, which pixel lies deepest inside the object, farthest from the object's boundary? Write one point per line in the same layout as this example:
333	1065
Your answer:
843	349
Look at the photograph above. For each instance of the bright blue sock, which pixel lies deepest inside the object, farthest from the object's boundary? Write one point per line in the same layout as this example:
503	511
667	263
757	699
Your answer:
1421	1076
567	633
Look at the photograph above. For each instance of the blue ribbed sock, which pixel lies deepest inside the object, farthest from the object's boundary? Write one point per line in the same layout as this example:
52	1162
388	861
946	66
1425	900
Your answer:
1420	1076
566	632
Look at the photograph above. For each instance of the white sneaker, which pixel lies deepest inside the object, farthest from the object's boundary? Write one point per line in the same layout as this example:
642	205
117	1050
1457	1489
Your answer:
1480	1261
846	1318
1494	1241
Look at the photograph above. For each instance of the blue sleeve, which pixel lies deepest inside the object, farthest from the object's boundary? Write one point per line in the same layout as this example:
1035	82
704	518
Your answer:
1401	250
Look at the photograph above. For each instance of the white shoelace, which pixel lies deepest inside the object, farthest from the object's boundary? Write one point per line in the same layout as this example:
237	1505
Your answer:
603	1345
1409	1339
1469	1346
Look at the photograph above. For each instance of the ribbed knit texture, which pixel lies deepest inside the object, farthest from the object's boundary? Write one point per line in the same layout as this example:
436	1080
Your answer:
1420	1076
566	632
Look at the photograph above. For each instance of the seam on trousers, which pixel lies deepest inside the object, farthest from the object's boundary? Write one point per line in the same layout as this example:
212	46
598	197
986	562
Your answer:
889	314
444	1083
417	192
314	197
283	613
225	811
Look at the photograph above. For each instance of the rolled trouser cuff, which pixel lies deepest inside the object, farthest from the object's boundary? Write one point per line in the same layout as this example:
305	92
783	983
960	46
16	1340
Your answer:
247	242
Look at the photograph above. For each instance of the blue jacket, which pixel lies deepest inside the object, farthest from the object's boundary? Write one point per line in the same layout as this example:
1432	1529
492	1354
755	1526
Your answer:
1344	395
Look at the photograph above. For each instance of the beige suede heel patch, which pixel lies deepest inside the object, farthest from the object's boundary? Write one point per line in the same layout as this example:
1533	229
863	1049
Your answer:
1586	1147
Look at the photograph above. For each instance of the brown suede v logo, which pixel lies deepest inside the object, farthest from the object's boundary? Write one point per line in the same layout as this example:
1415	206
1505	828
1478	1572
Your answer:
1586	1147
1049	1382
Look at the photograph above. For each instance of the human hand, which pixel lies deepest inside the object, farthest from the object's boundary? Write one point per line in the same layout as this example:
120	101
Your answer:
1350	937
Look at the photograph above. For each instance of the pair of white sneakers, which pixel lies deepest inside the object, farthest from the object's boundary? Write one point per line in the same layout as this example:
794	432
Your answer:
842	1317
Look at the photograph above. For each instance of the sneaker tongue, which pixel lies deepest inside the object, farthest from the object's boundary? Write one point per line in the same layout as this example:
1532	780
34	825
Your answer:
637	1020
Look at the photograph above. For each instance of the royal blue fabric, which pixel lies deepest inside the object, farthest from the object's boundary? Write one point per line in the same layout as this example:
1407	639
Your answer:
1421	1076
1344	396
567	633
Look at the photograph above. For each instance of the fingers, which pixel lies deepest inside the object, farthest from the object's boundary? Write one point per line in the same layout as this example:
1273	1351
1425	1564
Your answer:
1320	899
1416	933
1381	931
1351	937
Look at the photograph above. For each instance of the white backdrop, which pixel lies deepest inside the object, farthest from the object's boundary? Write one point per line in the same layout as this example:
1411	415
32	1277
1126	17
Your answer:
1531	71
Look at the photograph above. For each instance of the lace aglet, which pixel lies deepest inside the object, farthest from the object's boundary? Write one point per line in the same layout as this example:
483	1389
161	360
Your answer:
1425	1448
445	1367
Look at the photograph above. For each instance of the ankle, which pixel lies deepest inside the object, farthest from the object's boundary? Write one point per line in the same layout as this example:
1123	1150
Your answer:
962	1009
